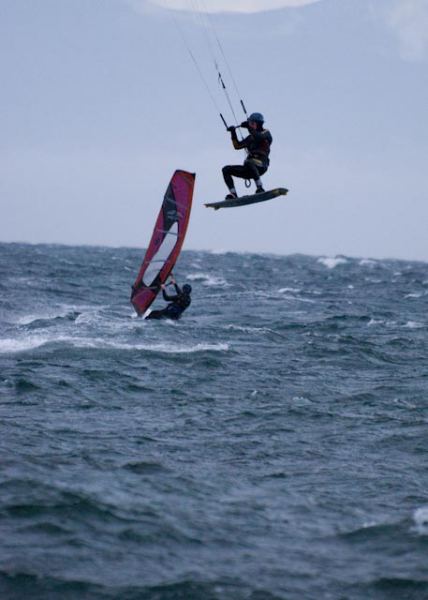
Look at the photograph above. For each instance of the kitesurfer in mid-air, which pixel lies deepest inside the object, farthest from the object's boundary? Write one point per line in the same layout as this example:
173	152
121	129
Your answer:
258	144
178	302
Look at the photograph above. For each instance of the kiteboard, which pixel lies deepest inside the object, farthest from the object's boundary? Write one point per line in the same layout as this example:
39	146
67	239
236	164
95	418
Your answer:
166	241
252	199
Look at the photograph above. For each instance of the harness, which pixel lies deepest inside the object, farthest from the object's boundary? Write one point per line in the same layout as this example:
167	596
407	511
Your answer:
259	150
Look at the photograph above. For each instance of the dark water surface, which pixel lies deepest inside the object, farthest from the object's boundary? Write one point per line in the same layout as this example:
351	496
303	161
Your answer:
273	445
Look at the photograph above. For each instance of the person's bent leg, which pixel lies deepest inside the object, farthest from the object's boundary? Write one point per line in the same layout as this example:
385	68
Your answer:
227	176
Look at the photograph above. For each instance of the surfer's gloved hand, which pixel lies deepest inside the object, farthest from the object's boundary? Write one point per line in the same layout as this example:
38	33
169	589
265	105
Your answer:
231	129
244	124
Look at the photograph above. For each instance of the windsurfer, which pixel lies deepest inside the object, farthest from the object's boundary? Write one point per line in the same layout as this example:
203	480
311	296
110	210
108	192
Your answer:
258	144
178	302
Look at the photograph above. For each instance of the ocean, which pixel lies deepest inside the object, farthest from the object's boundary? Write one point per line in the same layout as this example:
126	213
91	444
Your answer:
271	445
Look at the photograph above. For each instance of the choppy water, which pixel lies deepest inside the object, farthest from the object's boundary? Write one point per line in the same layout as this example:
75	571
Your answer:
272	445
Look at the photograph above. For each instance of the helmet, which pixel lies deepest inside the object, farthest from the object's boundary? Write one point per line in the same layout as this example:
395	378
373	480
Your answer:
257	117
187	288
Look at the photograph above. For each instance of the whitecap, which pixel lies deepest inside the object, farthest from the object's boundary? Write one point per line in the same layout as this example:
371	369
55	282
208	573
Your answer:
420	517
13	345
301	401
375	322
170	348
10	345
331	262
405	403
201	347
289	289
18	280
208	280
62	311
47	315
166	348
298	299
248	329
28	319
88	317
391	323
413	325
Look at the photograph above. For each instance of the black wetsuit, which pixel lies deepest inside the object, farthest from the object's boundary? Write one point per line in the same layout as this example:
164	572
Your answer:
256	164
178	305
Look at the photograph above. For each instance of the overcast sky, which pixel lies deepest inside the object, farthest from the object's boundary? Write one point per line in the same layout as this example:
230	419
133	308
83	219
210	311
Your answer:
100	103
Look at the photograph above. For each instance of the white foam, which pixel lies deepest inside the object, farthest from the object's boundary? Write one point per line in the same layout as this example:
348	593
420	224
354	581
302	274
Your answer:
248	329
375	322
294	298
59	312
26	280
367	262
331	262
163	348
31	342
208	280
413	325
28	319
166	348
289	289
88	317
414	295
420	517
201	347
301	401
406	403
10	345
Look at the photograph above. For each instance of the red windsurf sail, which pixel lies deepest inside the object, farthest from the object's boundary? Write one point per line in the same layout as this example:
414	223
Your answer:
166	241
